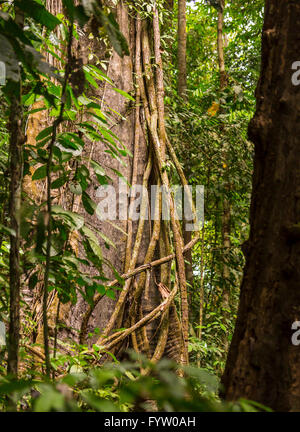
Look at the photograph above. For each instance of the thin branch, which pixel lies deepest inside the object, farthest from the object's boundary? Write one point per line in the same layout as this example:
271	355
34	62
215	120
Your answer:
56	124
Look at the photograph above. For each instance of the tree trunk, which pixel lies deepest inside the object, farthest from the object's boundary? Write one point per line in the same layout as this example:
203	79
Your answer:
223	75
226	215
182	93
182	49
263	363
17	139
153	330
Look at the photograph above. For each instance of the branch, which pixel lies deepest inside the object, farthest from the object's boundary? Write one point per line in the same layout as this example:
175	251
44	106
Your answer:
119	336
126	276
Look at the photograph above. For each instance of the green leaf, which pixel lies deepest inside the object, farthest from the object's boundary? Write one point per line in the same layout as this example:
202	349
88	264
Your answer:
106	239
111	294
88	203
7	230
50	400
33	280
15	386
114	34
90	79
100	289
80	16
76	188
123	93
97	73
40	173
59	182
45	133
73	219
97	168
93	241
38	12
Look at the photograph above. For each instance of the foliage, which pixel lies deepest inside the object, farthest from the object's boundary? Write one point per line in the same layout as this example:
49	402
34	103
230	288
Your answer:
120	387
201	129
209	133
42	92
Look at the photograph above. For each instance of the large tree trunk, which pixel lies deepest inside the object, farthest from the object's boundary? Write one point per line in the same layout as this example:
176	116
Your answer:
263	364
120	71
151	330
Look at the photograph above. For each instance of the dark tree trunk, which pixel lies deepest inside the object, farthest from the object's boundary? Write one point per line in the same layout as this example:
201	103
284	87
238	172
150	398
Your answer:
263	364
16	142
17	139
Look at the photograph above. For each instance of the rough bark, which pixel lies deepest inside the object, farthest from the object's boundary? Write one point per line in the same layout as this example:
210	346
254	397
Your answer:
142	130
263	363
17	139
139	298
120	71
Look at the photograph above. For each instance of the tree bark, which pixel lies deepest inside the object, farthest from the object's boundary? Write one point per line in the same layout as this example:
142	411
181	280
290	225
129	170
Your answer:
182	85
142	130
263	363
17	139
